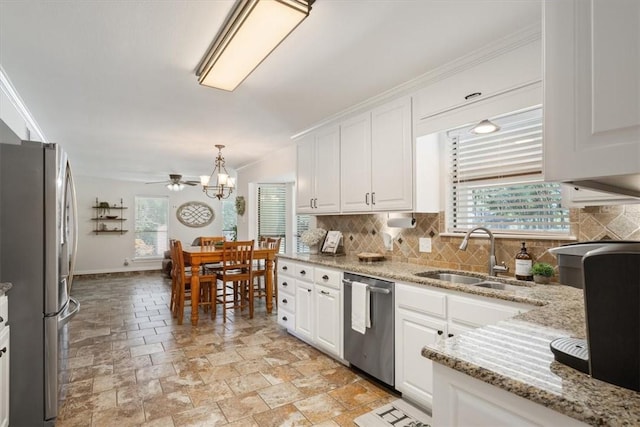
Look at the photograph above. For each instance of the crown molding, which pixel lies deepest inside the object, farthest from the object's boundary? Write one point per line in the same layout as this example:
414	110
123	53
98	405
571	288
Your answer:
12	94
499	47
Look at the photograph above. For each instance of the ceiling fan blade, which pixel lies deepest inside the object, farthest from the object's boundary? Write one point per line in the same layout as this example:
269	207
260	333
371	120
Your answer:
157	182
190	182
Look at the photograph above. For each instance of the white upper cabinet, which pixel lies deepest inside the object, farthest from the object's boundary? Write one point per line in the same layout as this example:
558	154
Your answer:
592	89
318	171
376	155
507	81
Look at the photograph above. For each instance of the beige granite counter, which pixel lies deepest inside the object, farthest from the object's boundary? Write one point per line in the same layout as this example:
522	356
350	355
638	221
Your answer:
514	354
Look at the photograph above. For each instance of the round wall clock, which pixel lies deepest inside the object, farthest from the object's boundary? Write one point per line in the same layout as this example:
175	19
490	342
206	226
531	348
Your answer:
195	214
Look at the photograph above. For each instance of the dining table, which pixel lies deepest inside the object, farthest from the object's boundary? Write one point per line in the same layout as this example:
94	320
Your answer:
200	255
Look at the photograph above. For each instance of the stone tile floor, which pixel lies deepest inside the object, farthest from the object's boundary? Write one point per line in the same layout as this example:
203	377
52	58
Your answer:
130	364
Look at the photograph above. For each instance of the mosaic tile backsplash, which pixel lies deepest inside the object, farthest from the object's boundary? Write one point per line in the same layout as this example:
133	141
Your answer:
363	233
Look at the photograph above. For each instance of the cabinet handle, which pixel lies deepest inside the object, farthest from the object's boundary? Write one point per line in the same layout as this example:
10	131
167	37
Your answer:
373	198
308	290
315	203
284	318
473	95
284	300
366	199
450	335
285	268
440	332
285	284
311	203
2	351
1	319
325	277
302	272
324	293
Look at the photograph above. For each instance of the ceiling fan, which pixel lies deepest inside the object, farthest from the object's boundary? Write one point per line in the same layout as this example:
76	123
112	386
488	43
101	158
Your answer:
175	182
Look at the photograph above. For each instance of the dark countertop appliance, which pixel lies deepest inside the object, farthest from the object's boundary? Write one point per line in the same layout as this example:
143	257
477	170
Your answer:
611	352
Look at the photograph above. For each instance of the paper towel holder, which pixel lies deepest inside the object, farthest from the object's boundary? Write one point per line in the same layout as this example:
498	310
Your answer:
403	222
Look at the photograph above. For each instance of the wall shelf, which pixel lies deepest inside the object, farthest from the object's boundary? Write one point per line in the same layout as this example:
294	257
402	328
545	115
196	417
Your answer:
105	221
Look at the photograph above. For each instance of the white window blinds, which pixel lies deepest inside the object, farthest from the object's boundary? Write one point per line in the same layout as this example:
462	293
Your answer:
496	179
272	212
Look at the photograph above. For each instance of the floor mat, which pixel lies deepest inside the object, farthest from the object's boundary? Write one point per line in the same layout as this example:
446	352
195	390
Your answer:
395	414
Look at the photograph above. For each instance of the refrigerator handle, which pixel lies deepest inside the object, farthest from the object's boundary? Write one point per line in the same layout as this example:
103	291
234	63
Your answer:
74	225
64	319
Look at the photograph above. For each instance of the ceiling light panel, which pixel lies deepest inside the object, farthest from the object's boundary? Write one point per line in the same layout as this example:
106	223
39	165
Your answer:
252	32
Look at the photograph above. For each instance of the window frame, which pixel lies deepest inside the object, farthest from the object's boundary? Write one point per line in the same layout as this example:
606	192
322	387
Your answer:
161	248
453	229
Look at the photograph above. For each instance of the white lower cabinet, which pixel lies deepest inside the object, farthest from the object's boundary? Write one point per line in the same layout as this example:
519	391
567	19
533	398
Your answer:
420	319
462	401
310	304
327	319
425	315
304	309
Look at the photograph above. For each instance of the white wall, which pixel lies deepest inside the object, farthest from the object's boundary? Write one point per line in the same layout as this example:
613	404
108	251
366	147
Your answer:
280	166
103	253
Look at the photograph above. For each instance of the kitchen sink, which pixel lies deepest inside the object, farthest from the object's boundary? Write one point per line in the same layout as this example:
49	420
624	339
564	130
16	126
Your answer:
452	277
492	285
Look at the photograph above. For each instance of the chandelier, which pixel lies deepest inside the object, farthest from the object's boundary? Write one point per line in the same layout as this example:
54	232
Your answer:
223	182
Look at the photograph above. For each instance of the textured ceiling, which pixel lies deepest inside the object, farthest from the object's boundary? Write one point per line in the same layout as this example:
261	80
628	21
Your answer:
114	82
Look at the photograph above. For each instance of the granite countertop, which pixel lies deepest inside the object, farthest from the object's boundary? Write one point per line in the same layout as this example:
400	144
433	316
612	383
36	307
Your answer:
4	287
514	354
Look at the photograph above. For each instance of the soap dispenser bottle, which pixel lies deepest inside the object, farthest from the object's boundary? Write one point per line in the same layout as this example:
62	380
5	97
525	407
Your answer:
523	264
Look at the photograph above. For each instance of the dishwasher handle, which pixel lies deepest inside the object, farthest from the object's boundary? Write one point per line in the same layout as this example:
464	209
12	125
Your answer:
371	288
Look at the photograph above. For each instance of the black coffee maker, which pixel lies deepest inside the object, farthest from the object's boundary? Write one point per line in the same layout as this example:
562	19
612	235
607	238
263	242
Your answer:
611	352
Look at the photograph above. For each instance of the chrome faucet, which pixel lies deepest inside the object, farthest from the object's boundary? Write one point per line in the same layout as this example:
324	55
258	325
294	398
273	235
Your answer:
494	268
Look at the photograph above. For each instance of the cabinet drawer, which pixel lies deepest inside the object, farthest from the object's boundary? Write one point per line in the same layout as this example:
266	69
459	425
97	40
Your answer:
304	271
4	310
479	313
287	285
421	300
286	319
327	277
286	301
286	266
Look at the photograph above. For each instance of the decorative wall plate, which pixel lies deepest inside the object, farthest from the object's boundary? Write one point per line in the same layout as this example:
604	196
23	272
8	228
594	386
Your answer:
195	214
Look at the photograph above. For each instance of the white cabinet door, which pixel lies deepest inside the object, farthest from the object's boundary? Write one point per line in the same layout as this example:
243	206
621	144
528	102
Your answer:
355	164
462	401
305	184
392	156
592	89
414	374
327	319
327	170
4	376
318	171
304	310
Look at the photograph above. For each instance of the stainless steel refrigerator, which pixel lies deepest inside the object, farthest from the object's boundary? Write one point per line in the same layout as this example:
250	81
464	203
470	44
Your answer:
37	252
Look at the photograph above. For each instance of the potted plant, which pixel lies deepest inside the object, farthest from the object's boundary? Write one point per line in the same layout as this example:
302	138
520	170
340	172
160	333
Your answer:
542	272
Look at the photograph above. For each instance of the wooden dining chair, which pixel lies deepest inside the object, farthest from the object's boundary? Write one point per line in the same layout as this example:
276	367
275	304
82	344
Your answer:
236	277
181	285
260	270
208	241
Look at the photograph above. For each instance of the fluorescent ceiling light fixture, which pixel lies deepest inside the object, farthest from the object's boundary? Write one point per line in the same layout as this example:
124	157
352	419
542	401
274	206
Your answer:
485	126
252	31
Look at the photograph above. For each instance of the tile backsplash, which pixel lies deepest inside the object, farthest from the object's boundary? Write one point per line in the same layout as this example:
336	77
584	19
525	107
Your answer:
363	233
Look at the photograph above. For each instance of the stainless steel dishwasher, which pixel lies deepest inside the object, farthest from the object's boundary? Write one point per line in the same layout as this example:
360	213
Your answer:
372	352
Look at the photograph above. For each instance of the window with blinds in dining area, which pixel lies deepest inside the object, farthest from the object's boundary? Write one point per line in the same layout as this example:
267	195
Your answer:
272	212
496	180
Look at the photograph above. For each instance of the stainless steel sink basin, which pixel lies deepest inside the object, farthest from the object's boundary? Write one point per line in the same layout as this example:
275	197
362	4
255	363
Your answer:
452	277
493	285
